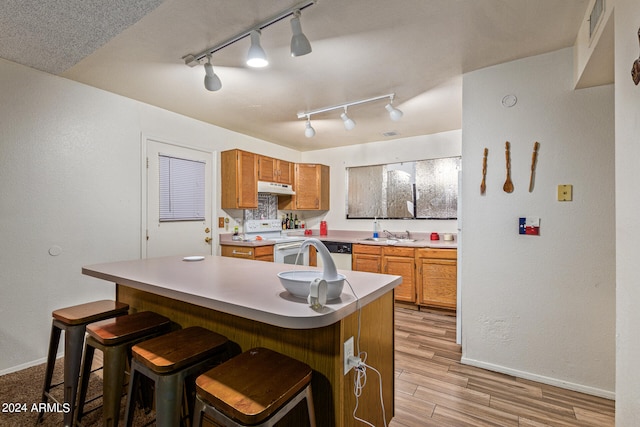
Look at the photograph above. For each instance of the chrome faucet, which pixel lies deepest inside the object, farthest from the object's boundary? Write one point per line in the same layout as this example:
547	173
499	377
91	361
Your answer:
391	235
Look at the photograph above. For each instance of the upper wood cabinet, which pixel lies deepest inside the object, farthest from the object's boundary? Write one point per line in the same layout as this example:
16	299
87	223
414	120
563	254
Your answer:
239	179
275	170
311	184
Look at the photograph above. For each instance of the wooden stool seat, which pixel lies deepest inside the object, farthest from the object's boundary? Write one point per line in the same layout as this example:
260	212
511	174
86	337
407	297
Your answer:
127	328
169	361
72	320
114	338
90	312
173	351
252	387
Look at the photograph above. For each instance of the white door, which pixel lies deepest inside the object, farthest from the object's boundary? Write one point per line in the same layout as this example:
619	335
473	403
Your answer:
185	235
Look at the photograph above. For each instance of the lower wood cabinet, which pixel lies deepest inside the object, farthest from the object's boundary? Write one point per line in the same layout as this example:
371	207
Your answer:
429	276
395	260
436	274
260	253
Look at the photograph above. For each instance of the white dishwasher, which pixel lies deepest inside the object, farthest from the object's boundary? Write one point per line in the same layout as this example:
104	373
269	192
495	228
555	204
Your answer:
340	253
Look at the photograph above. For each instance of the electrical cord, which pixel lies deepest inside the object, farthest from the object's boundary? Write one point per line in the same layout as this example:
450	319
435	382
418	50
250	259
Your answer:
360	369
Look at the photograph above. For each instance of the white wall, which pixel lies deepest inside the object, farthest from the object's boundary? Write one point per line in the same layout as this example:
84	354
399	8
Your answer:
70	182
444	144
627	21
540	307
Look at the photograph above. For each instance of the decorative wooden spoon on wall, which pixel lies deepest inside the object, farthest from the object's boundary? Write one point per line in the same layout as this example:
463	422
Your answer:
483	184
534	160
508	184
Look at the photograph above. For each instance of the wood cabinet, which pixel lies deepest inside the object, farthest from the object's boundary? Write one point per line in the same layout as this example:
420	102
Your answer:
366	258
436	275
311	184
400	261
259	253
275	170
239	170
429	276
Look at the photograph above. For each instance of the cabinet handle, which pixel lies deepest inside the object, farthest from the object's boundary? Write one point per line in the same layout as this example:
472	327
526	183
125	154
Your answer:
235	252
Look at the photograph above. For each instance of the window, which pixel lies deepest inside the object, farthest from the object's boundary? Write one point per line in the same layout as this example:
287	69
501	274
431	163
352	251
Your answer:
181	189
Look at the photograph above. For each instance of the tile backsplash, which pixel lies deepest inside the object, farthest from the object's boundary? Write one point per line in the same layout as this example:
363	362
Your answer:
267	208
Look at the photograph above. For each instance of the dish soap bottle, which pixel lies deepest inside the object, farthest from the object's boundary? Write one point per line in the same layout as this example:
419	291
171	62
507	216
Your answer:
376	232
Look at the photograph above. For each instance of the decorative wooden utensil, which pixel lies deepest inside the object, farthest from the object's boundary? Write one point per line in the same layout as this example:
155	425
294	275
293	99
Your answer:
534	160
483	185
508	184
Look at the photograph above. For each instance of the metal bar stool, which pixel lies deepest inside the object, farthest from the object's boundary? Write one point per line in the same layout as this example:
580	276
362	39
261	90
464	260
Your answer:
73	320
115	338
169	360
257	388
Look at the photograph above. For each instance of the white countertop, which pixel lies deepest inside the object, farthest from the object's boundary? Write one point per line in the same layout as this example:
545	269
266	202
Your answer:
245	288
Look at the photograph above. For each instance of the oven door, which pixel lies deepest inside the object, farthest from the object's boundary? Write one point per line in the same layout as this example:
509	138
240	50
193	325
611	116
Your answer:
289	253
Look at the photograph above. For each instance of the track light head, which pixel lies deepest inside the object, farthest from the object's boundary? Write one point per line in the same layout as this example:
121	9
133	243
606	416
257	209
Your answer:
299	42
348	123
394	113
211	80
256	57
309	131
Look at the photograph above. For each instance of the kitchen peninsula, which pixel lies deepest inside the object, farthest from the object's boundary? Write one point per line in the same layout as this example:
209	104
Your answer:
244	300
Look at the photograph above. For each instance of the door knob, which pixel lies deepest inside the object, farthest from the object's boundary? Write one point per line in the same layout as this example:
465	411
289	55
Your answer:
206	230
207	239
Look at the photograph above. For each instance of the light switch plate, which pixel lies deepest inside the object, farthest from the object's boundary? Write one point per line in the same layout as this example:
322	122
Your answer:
221	222
565	193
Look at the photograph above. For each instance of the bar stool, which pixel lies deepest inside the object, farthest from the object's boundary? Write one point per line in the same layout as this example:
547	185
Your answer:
257	388
73	320
169	360
115	338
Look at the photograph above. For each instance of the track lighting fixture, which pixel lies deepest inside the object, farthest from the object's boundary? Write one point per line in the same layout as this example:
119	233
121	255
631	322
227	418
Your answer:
349	123
256	57
309	131
211	80
299	42
394	113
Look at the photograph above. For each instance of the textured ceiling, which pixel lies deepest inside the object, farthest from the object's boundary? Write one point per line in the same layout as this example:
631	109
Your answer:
418	49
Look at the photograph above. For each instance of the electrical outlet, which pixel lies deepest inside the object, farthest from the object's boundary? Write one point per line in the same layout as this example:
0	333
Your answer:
348	351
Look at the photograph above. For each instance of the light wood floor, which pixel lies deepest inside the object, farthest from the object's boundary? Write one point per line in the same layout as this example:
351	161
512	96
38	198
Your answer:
434	389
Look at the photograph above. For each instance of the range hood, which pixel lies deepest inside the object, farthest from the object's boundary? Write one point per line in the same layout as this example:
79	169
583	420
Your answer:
275	188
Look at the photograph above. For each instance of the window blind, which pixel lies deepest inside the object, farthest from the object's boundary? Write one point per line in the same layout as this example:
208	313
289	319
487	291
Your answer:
182	187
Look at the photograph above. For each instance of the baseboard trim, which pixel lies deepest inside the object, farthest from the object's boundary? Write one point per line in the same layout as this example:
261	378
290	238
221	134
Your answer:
26	365
611	395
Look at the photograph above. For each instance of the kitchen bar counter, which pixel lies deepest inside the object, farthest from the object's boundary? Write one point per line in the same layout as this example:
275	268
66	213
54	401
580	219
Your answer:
243	300
251	291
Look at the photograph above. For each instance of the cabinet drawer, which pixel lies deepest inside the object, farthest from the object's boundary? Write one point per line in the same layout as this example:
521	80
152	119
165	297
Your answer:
437	253
398	251
238	251
366	249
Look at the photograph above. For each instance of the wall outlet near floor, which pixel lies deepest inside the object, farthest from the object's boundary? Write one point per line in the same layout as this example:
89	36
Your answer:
348	352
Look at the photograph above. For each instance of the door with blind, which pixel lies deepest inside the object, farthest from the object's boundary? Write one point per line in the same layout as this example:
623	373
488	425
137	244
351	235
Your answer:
179	200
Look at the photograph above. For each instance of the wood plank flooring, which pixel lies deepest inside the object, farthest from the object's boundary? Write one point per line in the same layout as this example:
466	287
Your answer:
434	389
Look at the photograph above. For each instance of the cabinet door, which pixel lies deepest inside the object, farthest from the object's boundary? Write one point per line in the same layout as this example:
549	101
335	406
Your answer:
438	282
284	172
366	262
247	180
405	267
266	169
239	171
312	187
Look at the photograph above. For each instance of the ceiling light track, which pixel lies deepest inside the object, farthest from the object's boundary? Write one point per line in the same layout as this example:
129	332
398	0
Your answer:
194	60
349	124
